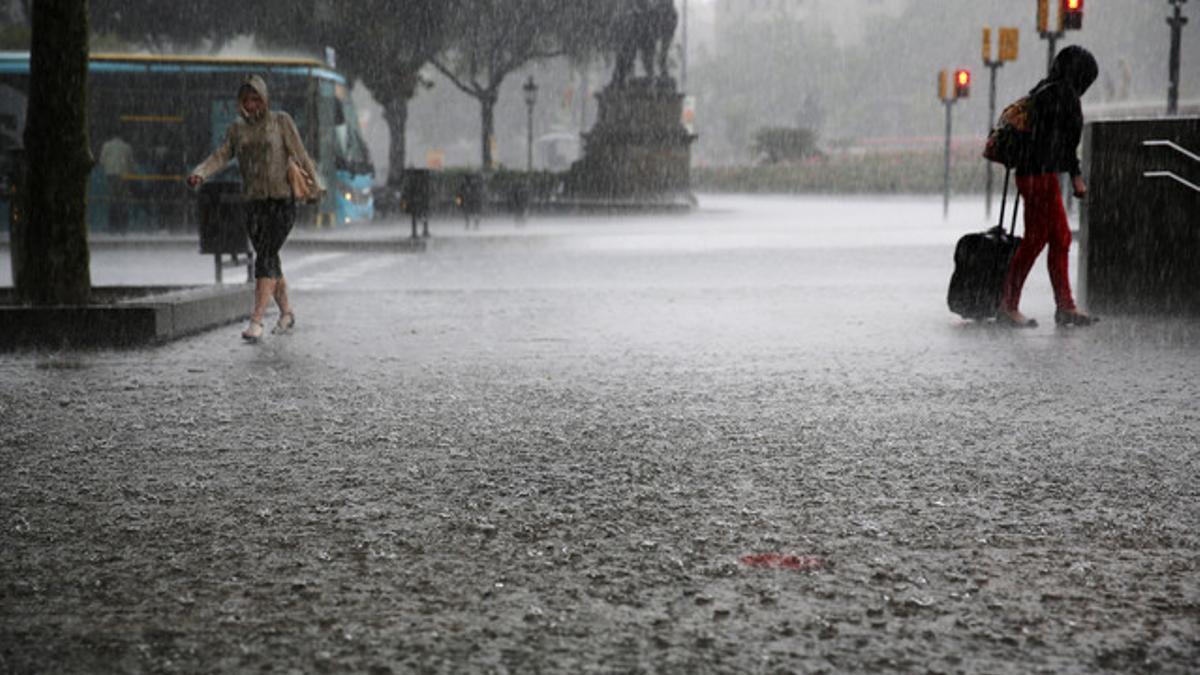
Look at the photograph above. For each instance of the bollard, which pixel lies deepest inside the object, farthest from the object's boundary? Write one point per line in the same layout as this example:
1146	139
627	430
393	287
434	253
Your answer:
416	198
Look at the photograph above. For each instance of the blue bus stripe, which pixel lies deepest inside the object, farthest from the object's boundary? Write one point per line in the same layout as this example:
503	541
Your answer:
21	67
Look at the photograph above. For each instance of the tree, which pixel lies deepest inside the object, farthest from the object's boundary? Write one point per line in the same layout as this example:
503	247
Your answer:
162	25
492	39
784	144
50	252
386	43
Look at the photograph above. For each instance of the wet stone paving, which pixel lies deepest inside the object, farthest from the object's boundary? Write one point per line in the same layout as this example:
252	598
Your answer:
751	439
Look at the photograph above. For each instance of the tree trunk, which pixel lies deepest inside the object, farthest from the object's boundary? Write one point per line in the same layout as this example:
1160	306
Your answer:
487	108
395	112
54	246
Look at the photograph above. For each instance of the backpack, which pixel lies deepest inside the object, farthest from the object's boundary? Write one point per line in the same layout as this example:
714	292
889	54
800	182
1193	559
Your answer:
1013	134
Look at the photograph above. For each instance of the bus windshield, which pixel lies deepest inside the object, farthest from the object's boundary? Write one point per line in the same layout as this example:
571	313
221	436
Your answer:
352	154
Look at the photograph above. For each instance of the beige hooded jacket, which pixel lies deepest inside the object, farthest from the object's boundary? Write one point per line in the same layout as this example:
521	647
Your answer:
262	147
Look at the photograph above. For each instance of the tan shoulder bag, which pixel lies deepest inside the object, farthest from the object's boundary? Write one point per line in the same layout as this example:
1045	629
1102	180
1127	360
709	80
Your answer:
304	186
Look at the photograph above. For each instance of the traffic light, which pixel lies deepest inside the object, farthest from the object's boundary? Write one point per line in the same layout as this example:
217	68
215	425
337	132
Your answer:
1010	39
1071	14
962	83
943	92
1043	16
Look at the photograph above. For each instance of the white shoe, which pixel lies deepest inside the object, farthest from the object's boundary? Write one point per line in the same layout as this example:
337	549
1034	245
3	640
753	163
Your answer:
285	323
253	332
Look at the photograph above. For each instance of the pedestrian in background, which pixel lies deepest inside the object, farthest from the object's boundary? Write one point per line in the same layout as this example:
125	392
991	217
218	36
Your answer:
264	142
1057	125
116	158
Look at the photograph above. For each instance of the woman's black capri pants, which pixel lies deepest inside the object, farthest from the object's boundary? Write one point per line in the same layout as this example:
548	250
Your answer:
268	222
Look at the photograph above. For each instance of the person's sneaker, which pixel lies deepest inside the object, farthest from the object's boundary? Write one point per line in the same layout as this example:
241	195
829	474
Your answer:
285	323
1073	317
253	332
1014	320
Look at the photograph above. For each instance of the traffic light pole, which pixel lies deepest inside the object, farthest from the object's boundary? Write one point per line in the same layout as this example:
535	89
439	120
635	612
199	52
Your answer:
1052	38
993	66
1177	23
946	180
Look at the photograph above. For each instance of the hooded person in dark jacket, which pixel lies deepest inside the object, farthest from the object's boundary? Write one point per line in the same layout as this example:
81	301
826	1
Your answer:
1057	125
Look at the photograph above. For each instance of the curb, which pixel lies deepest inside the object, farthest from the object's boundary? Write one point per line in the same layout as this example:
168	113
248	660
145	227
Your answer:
123	317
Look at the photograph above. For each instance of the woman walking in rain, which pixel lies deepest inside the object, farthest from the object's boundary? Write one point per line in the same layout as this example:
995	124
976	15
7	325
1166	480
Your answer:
264	142
1057	126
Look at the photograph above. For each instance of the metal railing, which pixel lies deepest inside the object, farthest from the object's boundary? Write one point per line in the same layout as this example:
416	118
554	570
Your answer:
1171	174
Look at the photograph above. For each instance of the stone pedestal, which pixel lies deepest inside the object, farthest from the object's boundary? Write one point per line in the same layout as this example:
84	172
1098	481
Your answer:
639	149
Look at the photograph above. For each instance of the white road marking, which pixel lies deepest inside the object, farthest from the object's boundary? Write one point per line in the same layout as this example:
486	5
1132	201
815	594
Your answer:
310	260
341	275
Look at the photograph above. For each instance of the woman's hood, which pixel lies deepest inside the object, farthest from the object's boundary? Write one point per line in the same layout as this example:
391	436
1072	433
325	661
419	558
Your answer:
259	86
1075	66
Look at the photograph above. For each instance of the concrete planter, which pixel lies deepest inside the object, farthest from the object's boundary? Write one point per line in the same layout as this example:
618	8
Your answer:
123	316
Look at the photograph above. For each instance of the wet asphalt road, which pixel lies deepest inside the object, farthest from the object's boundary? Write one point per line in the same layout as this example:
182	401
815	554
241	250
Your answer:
549	448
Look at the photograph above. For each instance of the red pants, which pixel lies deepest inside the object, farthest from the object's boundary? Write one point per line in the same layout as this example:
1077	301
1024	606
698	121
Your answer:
1045	223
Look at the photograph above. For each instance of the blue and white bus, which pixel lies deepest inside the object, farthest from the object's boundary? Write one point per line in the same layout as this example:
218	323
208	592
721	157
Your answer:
172	111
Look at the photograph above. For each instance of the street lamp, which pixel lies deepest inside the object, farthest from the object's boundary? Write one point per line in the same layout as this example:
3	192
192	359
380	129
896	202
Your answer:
683	60
1177	23
530	90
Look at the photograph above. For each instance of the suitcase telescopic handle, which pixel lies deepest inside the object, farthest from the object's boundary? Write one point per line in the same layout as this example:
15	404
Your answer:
1012	231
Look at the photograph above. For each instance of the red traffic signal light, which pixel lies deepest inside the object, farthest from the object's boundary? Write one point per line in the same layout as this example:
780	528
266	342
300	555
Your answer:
962	83
1071	12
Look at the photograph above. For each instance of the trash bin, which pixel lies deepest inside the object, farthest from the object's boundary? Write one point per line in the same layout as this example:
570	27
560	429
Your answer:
223	226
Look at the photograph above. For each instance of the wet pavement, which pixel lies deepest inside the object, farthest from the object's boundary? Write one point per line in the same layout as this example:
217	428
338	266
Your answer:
552	448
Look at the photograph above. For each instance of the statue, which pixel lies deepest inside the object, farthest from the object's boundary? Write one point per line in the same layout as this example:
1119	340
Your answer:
644	28
639	151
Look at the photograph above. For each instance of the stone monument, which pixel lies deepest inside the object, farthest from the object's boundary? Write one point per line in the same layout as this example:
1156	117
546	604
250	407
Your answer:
638	151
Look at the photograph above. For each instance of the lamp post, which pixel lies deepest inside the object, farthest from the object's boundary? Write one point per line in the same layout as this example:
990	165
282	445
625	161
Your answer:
683	61
1177	23
530	90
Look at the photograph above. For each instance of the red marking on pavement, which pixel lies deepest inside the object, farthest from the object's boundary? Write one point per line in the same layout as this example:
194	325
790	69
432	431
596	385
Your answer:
781	561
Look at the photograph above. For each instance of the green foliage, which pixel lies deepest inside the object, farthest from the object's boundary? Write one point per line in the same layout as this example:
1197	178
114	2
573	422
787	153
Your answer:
784	144
157	25
14	25
913	172
14	37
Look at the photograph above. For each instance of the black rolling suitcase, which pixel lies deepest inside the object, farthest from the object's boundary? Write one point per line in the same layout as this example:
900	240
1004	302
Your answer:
980	265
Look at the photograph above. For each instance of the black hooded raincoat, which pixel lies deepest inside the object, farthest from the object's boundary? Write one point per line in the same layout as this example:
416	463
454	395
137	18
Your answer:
1058	115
